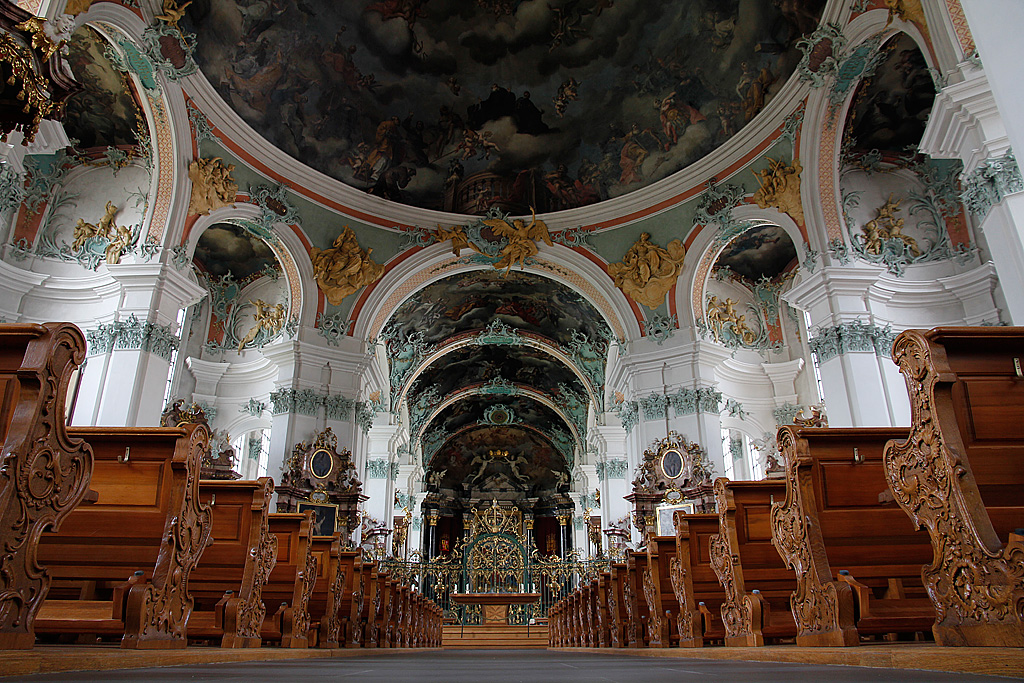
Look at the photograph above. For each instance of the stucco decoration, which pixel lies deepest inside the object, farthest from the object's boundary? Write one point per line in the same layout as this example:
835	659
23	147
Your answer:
344	267
780	188
647	271
212	185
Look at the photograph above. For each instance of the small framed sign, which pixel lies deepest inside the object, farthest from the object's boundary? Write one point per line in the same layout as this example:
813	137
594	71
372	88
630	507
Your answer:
666	522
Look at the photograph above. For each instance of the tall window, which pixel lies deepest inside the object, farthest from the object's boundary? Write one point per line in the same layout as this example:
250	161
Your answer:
178	332
815	361
730	464
253	452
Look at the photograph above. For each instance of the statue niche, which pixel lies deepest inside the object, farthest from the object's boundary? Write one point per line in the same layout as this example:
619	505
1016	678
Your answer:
317	475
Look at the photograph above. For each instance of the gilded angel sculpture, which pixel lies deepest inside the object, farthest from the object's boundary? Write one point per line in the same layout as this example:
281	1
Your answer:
521	239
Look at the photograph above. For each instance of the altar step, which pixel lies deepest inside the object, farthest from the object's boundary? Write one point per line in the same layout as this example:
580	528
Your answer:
495	637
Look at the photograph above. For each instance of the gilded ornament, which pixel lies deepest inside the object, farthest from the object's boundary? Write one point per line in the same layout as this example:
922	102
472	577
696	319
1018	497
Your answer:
76	7
886	226
172	13
780	188
268	318
647	271
117	236
343	268
521	238
45	35
907	10
212	185
722	315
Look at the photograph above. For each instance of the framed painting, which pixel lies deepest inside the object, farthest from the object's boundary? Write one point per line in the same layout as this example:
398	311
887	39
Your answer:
325	517
665	514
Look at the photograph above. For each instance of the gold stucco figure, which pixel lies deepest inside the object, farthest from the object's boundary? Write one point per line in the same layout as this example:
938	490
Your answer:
886	226
344	267
647	271
723	315
118	237
172	12
522	239
212	186
269	318
780	188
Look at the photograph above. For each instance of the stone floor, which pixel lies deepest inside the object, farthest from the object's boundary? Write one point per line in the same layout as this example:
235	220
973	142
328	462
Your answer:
500	666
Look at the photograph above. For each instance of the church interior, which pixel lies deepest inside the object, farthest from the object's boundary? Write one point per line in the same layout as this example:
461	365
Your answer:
600	326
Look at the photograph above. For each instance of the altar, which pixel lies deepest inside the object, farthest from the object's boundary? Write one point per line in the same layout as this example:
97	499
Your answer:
494	606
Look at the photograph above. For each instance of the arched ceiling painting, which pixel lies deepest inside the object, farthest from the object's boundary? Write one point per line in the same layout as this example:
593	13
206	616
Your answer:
497	383
547	103
762	252
228	248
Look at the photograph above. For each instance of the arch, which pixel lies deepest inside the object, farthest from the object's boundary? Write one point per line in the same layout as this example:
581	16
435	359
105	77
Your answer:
298	271
710	250
433	263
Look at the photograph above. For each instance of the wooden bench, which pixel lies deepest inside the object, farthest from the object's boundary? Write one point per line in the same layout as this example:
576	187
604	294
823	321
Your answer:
36	366
227	585
960	475
856	554
362	594
381	632
325	600
661	598
698	592
603	615
349	562
756	580
636	607
286	593
616	616
123	562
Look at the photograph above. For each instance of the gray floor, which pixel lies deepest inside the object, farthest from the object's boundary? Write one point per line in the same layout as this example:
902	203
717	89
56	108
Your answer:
500	666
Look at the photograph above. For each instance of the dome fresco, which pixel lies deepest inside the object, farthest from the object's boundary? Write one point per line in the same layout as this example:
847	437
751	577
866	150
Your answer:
461	106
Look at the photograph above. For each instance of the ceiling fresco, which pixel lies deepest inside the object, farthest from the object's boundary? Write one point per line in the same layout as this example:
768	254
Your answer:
533	464
227	248
472	365
764	251
462	106
482	409
105	112
891	108
470	301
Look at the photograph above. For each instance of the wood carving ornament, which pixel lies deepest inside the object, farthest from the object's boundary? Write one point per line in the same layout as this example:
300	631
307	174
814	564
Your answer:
344	267
647	271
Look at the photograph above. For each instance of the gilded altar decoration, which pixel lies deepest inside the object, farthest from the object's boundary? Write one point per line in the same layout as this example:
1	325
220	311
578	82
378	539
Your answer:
886	226
267	319
47	37
780	188
647	271
117	236
343	268
212	186
726	322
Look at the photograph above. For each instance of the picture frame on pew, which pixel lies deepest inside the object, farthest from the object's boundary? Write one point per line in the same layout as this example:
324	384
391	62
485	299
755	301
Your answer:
325	517
665	512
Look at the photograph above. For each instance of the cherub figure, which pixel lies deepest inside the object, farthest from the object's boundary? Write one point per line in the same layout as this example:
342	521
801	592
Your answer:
172	13
83	230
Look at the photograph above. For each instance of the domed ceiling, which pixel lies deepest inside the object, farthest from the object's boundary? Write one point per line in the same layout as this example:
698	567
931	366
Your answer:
461	106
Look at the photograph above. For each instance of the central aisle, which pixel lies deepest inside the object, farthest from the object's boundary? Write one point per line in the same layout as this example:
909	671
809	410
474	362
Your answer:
500	666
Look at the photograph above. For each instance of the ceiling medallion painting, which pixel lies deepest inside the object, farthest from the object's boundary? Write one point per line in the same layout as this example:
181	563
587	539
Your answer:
466	106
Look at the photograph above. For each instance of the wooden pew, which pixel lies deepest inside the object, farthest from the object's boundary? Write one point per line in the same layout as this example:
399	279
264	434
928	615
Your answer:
325	600
381	634
360	591
227	584
757	581
351	595
286	593
856	554
587	614
636	607
960	475
661	599
124	561
698	592
603	616
36	366
616	616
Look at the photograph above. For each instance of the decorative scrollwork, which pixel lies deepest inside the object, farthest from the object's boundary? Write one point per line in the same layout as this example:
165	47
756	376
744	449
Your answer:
43	473
252	611
736	613
978	591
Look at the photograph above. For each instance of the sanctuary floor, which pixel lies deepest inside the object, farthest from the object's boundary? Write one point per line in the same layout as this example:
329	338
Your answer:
501	666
